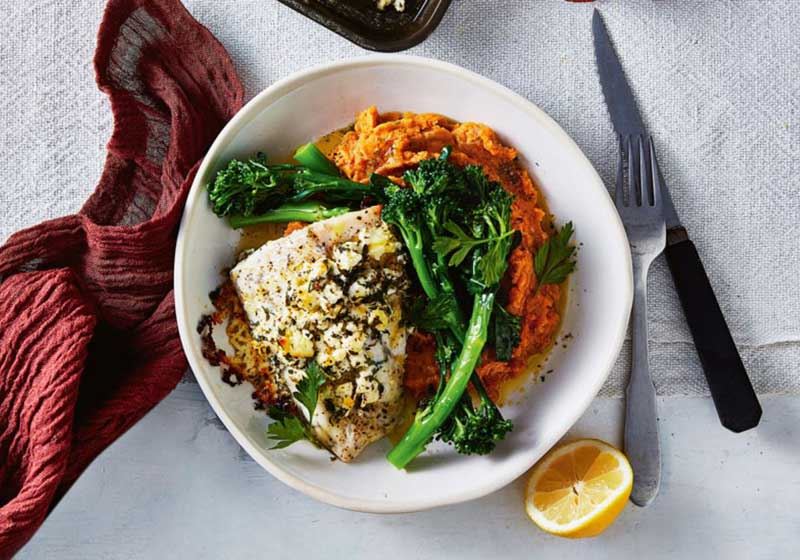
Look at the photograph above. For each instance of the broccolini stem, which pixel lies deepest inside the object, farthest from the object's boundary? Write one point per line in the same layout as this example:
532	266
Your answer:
480	389
426	424
311	156
292	212
413	242
308	182
455	319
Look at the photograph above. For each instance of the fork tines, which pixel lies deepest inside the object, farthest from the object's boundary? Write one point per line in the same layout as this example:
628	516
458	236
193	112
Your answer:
637	160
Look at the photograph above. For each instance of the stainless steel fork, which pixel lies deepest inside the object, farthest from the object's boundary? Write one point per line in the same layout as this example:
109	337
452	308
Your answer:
639	204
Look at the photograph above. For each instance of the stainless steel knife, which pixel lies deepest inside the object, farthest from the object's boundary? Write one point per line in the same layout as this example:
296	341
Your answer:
734	398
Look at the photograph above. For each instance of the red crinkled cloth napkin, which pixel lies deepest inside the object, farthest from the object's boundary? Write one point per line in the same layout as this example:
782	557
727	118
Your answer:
88	340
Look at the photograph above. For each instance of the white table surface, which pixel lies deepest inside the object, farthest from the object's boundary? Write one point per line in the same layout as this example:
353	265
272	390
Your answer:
178	486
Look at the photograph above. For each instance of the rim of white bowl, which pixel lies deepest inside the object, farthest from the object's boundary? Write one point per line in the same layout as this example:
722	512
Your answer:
283	87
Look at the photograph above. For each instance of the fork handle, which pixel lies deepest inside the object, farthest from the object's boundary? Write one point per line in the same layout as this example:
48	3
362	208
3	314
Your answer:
736	401
642	444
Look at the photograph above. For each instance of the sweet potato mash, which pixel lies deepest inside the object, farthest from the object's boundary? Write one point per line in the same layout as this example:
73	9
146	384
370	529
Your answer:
391	143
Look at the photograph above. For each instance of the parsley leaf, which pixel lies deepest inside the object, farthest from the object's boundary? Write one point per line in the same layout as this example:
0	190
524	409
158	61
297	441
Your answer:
507	329
286	430
462	243
308	388
289	428
553	261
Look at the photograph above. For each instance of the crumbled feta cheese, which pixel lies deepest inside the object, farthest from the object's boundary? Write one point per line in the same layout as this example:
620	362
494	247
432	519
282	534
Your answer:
299	345
346	256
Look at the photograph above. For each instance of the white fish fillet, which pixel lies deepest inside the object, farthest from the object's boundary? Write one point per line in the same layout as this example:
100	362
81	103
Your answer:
332	292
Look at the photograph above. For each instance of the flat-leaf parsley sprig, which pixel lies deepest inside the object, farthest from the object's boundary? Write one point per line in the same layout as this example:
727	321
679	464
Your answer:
554	260
286	428
308	387
289	428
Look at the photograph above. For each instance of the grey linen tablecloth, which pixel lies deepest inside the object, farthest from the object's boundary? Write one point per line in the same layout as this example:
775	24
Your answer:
718	83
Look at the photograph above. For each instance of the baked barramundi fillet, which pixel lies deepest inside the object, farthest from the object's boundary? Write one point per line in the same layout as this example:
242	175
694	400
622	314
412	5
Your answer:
333	292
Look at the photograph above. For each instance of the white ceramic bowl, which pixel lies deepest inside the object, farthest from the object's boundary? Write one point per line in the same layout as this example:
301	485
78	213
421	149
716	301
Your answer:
312	102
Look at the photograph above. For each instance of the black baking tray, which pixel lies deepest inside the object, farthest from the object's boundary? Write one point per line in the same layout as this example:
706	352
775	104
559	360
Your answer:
361	22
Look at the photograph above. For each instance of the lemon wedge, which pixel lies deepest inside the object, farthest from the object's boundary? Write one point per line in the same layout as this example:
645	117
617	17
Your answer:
578	489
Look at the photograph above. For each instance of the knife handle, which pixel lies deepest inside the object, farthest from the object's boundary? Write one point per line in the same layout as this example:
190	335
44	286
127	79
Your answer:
736	401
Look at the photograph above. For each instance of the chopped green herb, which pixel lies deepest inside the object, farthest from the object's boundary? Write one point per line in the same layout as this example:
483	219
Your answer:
553	261
308	389
287	428
462	243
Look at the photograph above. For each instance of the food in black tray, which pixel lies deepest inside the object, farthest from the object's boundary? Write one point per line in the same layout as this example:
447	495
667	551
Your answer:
378	25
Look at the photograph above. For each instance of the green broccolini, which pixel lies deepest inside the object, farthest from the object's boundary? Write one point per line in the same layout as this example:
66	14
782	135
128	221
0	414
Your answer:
311	156
483	243
475	431
308	211
253	187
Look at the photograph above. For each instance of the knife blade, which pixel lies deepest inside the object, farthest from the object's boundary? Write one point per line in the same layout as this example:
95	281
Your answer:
621	104
734	398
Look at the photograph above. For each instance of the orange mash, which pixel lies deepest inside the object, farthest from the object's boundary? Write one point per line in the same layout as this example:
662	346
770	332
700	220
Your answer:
391	143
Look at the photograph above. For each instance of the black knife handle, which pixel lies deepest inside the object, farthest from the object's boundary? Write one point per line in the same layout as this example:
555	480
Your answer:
736	401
